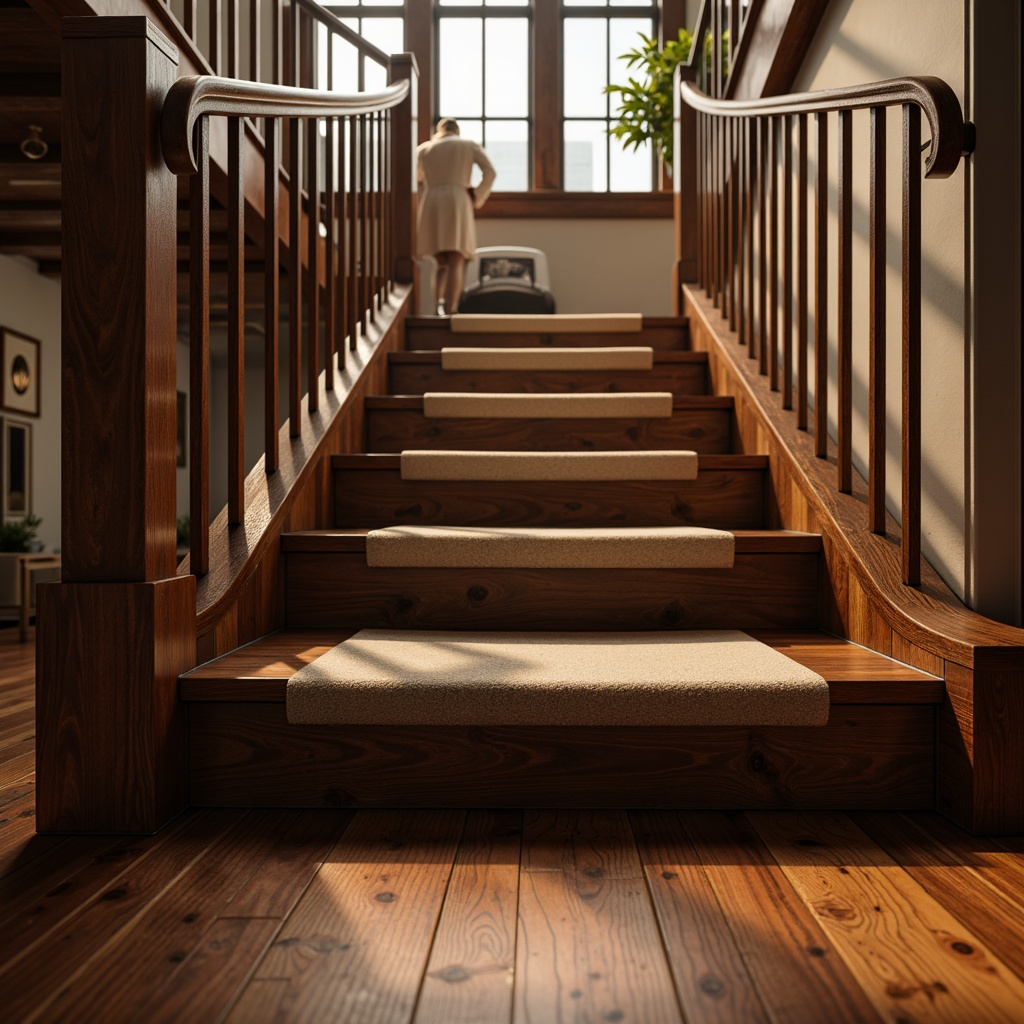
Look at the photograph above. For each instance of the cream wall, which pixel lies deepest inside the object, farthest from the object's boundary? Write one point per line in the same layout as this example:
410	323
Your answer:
30	304
597	266
861	41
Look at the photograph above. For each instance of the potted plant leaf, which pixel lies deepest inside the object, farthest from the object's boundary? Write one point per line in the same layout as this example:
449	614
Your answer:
16	537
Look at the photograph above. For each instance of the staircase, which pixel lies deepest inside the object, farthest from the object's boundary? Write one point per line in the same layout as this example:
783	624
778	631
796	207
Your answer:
877	750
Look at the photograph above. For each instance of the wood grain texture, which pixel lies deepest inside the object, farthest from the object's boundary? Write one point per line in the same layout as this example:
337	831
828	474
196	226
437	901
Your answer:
428	334
761	591
588	945
721	498
358	942
711	977
796	968
866	757
472	958
919	951
703	428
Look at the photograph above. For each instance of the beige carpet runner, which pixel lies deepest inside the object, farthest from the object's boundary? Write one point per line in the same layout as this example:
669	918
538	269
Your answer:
624	405
701	678
458	465
644	547
635	357
555	323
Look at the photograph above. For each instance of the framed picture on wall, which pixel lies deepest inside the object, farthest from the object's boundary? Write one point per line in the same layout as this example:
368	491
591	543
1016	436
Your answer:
20	385
17	468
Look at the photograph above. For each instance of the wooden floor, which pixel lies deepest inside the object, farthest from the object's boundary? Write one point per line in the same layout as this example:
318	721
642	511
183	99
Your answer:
448	916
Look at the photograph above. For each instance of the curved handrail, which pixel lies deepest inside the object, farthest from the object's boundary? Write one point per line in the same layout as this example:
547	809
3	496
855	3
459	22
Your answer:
936	99
335	24
196	96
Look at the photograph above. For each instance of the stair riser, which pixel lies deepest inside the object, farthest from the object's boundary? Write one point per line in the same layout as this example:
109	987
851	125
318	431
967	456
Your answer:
705	431
865	758
762	591
723	499
432	339
680	379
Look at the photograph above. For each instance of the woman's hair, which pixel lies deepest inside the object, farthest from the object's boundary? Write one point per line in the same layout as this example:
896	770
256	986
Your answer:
447	126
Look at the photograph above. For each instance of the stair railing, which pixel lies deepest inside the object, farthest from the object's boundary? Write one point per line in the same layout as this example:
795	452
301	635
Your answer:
743	260
340	208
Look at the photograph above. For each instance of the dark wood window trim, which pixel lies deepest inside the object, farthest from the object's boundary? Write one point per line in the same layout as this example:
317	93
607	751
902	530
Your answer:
546	199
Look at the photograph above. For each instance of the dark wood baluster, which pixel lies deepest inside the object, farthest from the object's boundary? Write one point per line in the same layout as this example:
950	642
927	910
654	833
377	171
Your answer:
723	216
702	193
750	127
236	320
295	278
330	253
364	223
199	353
271	290
277	41
821	291
844	311
389	205
911	546
372	214
786	277
216	13
762	246
734	35
773	252
191	23
380	209
801	274
313	264
344	263
713	211
255	38
876	317
234	50
729	248
740	169
354	256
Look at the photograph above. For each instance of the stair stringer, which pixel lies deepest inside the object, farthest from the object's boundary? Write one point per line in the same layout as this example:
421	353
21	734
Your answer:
980	743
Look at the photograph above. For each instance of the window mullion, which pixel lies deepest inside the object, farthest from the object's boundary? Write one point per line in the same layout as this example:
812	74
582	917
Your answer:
547	95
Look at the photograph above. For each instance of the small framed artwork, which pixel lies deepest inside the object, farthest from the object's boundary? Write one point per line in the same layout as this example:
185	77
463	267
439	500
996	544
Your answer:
17	468
182	434
20	373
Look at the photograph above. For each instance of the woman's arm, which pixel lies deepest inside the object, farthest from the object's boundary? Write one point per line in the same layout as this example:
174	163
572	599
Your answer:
483	190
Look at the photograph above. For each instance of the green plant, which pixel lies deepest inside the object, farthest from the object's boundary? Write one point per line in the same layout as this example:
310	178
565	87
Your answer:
184	531
645	107
18	535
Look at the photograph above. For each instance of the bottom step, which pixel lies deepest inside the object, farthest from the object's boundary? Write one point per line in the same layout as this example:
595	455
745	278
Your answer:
876	752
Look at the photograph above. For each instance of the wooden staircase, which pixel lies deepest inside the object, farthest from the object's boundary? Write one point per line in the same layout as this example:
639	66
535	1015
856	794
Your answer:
878	750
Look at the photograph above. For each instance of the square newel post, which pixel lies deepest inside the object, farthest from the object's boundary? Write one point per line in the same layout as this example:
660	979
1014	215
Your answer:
119	628
404	129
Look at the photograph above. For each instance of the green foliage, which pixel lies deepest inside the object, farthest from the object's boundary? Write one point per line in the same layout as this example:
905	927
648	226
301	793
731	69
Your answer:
17	535
184	531
645	105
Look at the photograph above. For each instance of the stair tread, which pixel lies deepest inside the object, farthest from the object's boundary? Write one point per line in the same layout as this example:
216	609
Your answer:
260	671
433	357
648	321
678	401
747	541
393	462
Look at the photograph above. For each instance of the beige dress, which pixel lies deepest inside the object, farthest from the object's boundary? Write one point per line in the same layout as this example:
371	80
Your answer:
445	222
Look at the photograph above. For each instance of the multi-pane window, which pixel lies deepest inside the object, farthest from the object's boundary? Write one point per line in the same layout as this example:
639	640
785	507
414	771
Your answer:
483	79
594	37
381	22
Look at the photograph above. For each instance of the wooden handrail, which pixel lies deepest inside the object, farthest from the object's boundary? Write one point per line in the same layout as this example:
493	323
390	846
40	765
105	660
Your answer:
197	96
726	267
952	137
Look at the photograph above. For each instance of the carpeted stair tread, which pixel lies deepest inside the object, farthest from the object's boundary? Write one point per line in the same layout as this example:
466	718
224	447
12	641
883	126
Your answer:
513	405
259	672
655	547
407	677
745	541
634	357
437	464
391	461
554	323
678	402
432	357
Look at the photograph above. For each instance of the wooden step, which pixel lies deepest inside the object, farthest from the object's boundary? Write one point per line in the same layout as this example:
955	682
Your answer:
432	333
699	423
772	585
729	493
876	751
682	373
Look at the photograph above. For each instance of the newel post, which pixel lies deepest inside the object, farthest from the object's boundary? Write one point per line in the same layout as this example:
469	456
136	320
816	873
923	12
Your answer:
404	129
118	629
684	189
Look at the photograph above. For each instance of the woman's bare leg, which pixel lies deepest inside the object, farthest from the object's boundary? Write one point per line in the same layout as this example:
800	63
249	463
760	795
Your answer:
442	277
453	286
